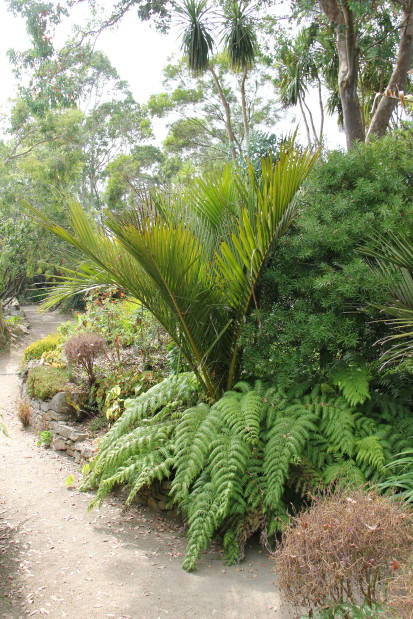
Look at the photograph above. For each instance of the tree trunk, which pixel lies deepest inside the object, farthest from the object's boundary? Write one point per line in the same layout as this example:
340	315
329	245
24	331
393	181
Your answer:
244	105
4	332
227	110
384	111
341	16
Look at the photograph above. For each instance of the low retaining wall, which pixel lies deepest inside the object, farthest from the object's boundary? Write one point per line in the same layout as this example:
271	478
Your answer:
56	415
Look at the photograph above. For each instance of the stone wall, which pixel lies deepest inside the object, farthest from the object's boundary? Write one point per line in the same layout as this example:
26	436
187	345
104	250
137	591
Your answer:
56	415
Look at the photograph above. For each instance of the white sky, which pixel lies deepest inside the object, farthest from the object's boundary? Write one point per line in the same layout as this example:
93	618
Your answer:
135	48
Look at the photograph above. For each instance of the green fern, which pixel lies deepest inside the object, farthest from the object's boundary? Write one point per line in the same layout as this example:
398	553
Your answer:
236	464
352	378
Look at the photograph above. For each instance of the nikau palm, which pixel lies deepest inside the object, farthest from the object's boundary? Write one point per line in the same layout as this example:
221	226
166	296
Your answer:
196	263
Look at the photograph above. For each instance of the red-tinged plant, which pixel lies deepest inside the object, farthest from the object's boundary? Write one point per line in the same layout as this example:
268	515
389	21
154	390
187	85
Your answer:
83	349
348	547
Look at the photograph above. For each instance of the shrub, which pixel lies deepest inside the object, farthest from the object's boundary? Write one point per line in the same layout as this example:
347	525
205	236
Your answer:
345	549
313	287
24	412
83	349
35	350
43	382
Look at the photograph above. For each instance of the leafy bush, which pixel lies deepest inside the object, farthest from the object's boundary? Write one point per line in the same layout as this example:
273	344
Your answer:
345	549
35	350
83	349
237	464
43	382
313	288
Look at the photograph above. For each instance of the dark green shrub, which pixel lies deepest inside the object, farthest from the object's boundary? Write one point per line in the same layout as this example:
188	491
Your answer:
44	381
315	285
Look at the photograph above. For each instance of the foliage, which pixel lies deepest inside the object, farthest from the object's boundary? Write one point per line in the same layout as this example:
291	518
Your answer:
196	264
35	350
345	548
309	298
400	479
43	382
393	255
24	412
83	350
45	438
236	464
349	611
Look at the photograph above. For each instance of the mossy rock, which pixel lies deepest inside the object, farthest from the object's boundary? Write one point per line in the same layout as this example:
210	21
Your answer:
35	350
44	381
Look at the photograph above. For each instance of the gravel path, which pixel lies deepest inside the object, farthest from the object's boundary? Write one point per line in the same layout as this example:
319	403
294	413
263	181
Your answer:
59	560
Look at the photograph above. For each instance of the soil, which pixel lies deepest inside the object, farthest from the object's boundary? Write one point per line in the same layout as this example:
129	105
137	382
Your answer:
59	560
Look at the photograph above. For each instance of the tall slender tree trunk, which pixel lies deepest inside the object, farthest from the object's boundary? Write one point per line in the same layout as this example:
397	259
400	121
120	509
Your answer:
227	110
244	105
304	117
385	108
342	18
4	332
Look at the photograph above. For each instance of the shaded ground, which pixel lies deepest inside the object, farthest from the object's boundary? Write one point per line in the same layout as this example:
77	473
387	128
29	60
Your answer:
58	560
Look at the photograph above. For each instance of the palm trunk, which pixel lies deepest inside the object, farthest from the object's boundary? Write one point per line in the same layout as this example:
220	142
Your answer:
227	110
384	111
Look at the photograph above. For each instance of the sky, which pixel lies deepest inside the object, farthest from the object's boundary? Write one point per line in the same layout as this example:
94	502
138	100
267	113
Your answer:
136	49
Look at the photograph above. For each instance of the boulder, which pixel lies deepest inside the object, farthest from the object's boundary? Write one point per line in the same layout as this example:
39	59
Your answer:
59	404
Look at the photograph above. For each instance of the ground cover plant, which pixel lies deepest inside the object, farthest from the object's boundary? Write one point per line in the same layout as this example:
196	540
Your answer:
108	352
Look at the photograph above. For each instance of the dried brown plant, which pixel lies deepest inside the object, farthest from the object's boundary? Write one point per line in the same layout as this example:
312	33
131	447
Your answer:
24	412
347	547
83	349
400	593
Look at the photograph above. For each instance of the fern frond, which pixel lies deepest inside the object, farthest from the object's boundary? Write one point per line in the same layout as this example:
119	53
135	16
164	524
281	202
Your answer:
345	471
353	381
286	440
369	451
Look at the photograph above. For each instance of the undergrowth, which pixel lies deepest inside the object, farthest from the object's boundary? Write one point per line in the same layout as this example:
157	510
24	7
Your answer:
236	464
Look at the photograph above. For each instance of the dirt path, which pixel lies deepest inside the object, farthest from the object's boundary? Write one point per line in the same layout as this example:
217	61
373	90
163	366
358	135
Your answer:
58	560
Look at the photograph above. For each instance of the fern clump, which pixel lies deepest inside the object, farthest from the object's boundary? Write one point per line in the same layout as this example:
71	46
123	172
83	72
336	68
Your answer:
237	463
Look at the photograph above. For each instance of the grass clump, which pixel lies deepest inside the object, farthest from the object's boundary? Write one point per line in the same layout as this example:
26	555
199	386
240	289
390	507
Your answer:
24	412
43	382
346	549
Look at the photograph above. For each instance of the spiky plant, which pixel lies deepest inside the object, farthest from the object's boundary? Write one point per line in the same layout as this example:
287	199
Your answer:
239	37
196	264
197	42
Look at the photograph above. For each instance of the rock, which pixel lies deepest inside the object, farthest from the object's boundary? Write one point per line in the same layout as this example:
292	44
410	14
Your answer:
87	452
58	444
71	433
162	506
152	504
59	404
166	485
